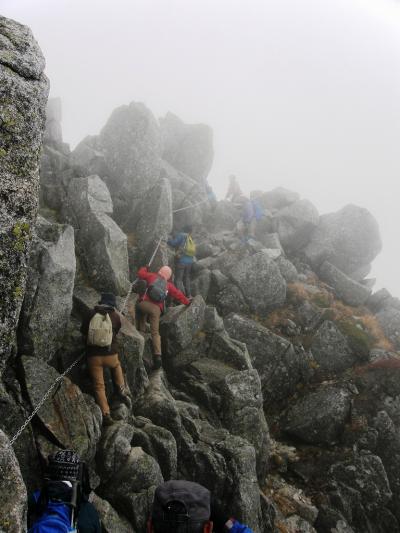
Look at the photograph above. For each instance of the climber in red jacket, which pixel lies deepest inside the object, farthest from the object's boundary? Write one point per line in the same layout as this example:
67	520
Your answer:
152	304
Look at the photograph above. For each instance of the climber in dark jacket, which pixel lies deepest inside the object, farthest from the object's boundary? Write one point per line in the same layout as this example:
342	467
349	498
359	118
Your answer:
53	501
100	357
185	252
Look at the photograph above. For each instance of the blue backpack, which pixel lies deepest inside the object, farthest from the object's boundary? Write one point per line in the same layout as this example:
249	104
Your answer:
56	518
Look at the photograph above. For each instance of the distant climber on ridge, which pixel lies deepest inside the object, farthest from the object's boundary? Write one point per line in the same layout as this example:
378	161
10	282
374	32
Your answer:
152	304
184	257
101	327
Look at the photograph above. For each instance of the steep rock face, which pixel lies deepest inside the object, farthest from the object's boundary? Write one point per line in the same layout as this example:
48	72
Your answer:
260	281
13	497
48	297
102	245
349	239
23	95
189	148
131	143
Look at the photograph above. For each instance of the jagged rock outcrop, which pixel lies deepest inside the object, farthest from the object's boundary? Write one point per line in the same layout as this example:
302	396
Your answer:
132	147
189	148
277	198
389	319
48	298
23	95
102	245
349	239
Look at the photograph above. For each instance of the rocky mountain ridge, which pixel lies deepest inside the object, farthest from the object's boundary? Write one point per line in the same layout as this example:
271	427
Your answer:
280	388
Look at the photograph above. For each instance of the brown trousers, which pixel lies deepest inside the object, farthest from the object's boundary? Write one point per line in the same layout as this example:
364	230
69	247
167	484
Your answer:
152	312
96	364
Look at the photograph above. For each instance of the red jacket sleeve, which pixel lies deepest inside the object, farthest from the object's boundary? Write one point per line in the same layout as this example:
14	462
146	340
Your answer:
143	273
177	294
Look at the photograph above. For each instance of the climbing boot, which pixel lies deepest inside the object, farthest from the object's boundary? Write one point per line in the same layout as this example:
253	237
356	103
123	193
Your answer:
157	361
108	420
123	396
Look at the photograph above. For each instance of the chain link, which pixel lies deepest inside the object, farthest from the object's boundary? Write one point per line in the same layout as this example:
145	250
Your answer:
39	405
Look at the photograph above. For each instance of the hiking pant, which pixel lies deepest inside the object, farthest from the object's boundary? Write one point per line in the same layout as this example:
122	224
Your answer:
182	278
152	312
96	364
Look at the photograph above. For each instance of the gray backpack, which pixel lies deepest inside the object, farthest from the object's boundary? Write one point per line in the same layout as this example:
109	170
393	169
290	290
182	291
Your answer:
157	290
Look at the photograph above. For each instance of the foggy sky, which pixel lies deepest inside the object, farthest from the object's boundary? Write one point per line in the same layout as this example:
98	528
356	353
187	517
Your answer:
300	94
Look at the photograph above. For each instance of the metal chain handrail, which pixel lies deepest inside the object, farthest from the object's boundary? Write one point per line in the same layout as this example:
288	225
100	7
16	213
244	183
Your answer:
39	405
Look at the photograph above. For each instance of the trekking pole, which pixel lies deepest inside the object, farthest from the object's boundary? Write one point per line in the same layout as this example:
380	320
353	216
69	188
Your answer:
135	280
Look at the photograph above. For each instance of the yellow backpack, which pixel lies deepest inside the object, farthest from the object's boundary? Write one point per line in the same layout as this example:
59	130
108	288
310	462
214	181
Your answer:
190	247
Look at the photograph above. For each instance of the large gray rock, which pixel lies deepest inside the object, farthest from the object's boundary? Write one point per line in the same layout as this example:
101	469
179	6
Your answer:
13	496
260	281
159	443
379	299
180	324
320	416
186	192
71	419
295	224
89	158
389	319
349	239
155	223
129	475
23	95
189	148
287	269
50	284
331	350
366	475
280	366
130	349
348	290
242	413
131	143
101	244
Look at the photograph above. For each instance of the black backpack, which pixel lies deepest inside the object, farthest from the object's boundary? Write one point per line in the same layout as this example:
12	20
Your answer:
157	290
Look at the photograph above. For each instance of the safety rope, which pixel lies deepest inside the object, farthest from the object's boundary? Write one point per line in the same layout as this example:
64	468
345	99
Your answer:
39	405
